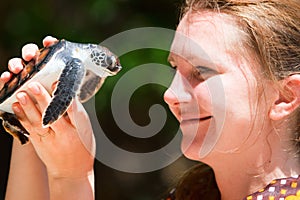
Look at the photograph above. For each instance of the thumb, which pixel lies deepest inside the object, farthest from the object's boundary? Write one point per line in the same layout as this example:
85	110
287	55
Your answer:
80	120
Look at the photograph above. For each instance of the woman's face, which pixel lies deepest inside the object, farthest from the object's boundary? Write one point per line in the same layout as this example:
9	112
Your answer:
214	94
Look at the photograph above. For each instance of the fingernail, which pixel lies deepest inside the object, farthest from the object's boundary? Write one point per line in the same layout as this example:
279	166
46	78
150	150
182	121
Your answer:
21	98
12	66
5	75
16	108
34	88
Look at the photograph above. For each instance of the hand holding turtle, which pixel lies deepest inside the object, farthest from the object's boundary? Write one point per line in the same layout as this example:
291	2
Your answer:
69	138
28	52
67	146
64	146
57	125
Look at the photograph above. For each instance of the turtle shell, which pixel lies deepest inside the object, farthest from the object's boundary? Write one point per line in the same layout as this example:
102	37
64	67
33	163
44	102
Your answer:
30	69
79	70
9	121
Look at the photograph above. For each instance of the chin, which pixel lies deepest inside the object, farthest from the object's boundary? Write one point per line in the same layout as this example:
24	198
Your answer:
190	156
196	149
190	149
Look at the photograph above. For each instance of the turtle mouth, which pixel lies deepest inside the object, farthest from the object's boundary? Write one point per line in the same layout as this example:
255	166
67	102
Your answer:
115	69
115	66
112	70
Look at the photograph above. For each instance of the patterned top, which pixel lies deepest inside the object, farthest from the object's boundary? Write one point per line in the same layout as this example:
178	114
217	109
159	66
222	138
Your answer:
278	189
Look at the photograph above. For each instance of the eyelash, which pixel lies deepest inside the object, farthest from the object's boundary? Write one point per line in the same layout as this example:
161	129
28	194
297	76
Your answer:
203	73
200	73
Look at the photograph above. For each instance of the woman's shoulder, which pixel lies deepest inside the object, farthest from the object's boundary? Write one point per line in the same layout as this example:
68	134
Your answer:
281	189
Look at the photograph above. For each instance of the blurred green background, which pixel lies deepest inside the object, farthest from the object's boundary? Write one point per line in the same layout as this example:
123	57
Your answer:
94	21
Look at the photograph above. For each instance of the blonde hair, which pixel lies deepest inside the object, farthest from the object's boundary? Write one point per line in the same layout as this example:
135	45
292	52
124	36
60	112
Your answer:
272	33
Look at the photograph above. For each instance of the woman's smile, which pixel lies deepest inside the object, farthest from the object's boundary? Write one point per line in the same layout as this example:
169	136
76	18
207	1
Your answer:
195	120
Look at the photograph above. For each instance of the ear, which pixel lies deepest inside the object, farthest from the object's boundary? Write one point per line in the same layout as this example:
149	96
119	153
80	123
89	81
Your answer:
288	100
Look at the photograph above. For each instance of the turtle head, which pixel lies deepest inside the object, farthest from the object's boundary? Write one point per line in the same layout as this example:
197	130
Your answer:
113	63
105	62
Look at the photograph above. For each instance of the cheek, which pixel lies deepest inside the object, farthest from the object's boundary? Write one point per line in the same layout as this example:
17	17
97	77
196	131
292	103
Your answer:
204	94
233	105
211	98
240	114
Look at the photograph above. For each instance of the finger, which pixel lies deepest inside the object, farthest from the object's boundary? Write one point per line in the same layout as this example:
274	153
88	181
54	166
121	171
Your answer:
80	120
15	65
43	99
21	116
29	116
40	94
77	113
31	112
36	135
49	40
19	112
4	78
29	51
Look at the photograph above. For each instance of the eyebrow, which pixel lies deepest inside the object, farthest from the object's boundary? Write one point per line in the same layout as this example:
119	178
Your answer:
190	58
195	61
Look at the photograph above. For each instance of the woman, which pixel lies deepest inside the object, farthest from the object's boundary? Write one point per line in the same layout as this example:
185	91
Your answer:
254	50
237	104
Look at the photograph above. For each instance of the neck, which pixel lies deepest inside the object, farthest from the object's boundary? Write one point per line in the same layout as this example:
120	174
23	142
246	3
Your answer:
241	173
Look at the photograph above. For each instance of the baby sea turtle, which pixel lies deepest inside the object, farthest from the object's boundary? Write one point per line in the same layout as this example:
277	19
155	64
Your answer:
79	70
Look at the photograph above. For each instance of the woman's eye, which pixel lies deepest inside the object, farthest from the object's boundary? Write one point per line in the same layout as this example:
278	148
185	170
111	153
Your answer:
203	73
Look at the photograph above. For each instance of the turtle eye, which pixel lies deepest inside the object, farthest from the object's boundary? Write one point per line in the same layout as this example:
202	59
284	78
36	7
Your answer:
109	61
113	64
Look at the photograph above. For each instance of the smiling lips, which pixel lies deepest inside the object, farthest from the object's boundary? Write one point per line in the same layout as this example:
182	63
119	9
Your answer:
205	118
197	119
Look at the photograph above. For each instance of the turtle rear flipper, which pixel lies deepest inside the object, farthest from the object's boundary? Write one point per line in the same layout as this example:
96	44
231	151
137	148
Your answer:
91	84
66	89
12	125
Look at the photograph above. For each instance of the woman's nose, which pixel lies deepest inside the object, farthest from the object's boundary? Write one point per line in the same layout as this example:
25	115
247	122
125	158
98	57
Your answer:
179	91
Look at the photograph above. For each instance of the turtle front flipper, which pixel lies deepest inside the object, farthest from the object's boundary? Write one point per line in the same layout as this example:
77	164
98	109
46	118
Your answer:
12	125
66	90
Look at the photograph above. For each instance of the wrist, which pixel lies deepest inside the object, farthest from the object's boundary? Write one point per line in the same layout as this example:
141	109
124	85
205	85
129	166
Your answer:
70	174
71	187
70	170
